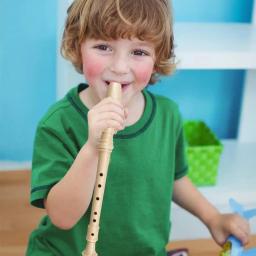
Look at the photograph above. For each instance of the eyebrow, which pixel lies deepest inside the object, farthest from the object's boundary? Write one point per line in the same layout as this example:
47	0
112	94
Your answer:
144	44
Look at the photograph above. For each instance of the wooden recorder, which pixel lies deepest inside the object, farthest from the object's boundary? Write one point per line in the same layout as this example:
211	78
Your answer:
105	148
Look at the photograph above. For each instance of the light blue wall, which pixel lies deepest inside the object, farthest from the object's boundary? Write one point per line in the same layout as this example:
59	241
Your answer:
213	10
28	71
212	96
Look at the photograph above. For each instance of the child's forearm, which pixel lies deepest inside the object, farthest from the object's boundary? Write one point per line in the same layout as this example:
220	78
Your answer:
69	199
186	195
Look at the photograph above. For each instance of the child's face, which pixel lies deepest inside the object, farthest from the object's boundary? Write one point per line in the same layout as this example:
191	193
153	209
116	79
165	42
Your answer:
129	62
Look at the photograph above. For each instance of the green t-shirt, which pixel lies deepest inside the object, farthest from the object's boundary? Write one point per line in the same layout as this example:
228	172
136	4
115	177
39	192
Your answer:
147	157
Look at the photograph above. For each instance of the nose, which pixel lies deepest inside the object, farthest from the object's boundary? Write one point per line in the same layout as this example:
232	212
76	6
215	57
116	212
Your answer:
119	64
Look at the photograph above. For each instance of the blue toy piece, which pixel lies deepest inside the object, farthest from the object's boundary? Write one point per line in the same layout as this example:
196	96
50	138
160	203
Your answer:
234	247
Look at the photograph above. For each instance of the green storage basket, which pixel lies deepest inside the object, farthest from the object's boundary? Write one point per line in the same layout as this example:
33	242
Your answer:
203	153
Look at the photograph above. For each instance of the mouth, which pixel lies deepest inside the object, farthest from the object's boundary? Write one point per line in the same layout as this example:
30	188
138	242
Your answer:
124	85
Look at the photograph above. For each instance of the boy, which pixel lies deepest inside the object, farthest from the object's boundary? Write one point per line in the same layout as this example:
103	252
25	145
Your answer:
129	42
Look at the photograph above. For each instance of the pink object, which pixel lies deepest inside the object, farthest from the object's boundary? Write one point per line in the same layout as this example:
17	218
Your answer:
178	252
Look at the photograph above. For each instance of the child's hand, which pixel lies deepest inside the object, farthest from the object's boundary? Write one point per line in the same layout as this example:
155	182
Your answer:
108	113
223	225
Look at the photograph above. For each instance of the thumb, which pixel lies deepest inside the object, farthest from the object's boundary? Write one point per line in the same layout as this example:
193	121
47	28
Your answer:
220	237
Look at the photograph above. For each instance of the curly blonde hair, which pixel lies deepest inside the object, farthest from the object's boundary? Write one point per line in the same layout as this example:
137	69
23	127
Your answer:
148	20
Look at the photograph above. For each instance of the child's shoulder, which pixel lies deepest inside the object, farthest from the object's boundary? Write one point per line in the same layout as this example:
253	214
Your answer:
167	110
166	103
57	110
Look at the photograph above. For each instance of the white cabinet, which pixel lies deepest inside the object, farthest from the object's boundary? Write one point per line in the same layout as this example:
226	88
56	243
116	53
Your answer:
215	45
67	77
223	46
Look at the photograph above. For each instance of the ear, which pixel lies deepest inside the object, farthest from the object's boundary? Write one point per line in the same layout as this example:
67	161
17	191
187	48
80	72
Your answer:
154	70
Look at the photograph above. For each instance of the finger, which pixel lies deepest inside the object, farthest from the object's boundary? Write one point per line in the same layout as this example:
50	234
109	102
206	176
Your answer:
104	124
244	238
105	116
110	107
241	234
221	239
111	101
245	230
94	115
243	224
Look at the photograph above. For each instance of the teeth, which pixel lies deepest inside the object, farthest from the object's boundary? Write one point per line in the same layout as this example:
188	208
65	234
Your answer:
123	85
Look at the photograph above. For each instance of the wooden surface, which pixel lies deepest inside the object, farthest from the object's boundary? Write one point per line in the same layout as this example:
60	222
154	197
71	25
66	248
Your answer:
18	219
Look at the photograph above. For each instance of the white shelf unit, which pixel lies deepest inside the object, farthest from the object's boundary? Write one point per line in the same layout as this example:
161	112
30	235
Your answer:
67	77
216	45
223	46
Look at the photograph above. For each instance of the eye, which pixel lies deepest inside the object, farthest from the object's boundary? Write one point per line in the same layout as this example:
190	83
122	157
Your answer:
103	47
140	53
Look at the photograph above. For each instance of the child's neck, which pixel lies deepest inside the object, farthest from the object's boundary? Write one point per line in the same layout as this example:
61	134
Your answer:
135	109
135	106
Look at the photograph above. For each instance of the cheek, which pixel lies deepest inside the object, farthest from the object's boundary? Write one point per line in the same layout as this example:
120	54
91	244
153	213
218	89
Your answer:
143	73
92	67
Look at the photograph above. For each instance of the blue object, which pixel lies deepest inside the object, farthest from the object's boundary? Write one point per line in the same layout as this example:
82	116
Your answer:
236	245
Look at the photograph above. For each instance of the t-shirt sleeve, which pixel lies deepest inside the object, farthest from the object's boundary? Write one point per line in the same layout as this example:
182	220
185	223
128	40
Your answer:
181	165
51	160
